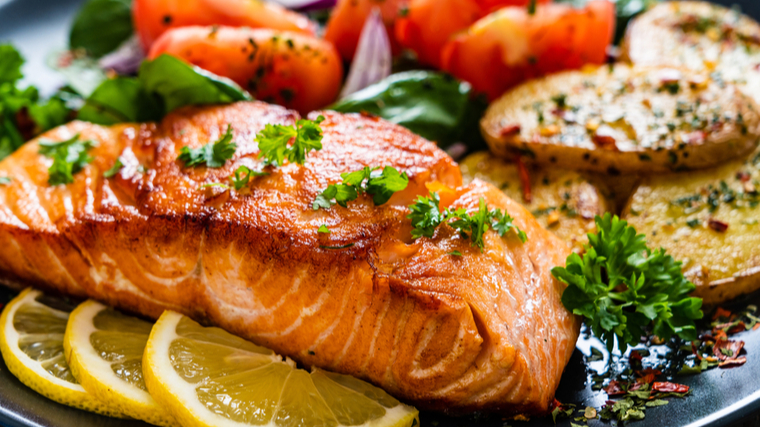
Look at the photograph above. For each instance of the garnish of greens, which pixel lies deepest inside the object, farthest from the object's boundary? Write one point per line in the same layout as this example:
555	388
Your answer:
110	173
433	105
380	185
213	155
427	216
273	142
243	175
101	26
623	289
69	157
22	114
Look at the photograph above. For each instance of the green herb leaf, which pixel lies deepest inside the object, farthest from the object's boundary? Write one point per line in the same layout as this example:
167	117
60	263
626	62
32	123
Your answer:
622	287
381	186
213	155
273	141
5	180
110	173
10	64
101	26
243	175
455	253
69	157
426	215
323	229
433	105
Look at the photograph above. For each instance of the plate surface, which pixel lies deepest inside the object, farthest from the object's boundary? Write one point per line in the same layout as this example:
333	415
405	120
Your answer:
720	397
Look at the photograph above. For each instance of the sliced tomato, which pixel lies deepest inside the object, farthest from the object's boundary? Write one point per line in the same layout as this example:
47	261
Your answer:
153	17
290	69
429	24
511	46
348	17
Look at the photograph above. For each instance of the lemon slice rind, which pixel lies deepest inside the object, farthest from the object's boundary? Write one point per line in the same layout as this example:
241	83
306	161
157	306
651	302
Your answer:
96	375
32	373
180	399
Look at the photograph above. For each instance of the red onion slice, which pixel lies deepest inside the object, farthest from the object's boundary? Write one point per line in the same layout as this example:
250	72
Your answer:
126	59
373	59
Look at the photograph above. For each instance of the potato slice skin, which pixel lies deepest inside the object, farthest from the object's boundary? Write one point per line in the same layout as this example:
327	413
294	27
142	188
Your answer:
624	120
563	201
699	36
724	264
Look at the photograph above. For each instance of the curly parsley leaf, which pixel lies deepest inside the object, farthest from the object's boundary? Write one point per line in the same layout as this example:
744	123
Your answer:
213	155
426	216
69	157
110	173
380	185
243	175
623	288
273	141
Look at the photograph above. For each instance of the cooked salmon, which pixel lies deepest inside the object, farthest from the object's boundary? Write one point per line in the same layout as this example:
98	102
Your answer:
482	331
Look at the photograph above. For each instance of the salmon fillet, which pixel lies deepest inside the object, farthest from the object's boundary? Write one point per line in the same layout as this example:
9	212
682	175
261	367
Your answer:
484	331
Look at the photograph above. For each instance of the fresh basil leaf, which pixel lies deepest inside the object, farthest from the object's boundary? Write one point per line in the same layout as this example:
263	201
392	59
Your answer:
121	100
101	26
179	84
433	105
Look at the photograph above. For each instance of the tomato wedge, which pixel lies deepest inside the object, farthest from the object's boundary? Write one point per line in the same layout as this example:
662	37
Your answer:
347	21
510	45
290	69
153	17
429	24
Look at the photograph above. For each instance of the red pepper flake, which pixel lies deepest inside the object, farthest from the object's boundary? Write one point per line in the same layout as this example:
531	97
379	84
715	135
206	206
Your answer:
732	363
524	179
510	130
718	226
605	137
697	137
614	389
727	349
367	114
555	404
668	387
721	313
743	176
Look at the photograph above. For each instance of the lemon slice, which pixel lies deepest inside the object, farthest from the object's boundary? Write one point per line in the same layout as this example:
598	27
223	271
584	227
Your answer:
207	377
104	349
31	341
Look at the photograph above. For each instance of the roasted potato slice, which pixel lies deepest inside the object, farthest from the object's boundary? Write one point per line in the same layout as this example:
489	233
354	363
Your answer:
623	120
709	220
699	36
563	201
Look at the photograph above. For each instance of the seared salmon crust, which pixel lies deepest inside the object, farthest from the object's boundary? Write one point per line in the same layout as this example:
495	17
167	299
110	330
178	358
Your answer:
482	331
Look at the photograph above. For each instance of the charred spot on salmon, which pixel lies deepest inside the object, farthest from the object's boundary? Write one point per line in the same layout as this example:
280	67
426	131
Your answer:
273	141
167	19
426	216
213	155
380	185
69	157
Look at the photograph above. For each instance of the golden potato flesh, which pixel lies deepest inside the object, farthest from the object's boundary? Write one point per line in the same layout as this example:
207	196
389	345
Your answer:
564	202
699	36
623	120
708	220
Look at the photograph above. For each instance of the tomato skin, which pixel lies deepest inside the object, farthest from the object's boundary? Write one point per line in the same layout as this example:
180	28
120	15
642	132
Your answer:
347	21
511	46
429	24
153	17
290	69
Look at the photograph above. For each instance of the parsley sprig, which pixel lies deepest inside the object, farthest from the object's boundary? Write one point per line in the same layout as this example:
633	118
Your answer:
622	287
380	185
427	216
69	157
273	141
243	175
213	155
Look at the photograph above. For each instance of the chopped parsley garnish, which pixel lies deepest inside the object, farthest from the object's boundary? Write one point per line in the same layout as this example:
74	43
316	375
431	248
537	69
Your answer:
5	180
560	100
455	253
243	175
426	216
110	173
273	141
69	157
323	229
380	185
213	155
622	287
532	7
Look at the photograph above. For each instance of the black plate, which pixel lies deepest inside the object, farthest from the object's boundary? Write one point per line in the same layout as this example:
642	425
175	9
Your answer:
719	397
